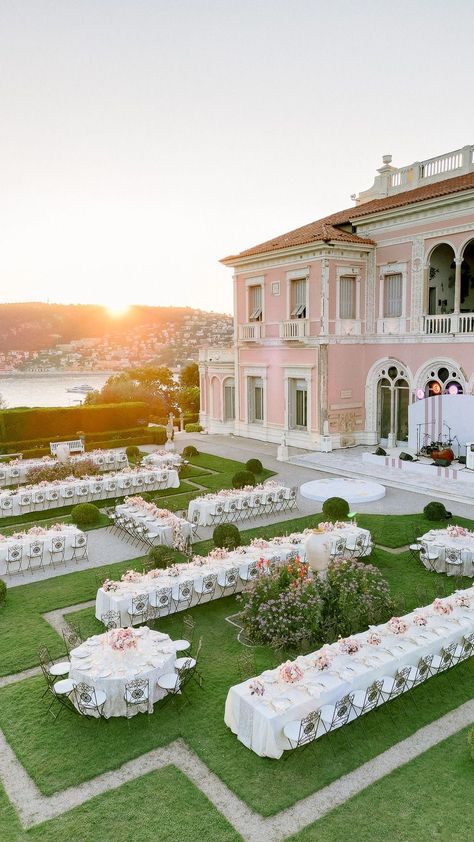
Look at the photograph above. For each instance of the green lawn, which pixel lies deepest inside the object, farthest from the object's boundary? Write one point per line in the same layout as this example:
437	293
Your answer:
428	799
44	746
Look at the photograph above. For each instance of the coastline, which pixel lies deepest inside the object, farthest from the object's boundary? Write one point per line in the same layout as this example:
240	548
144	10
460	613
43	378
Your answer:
59	373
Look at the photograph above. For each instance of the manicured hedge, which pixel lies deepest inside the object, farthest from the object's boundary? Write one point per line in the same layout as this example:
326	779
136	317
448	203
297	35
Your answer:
29	423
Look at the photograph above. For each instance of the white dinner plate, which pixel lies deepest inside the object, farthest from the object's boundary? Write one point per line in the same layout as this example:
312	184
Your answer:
80	653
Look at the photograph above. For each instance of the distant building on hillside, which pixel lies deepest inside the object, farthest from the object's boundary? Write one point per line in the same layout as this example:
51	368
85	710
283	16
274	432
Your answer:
341	324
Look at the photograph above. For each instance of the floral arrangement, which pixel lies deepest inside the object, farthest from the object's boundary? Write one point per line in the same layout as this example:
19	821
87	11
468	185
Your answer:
290	673
322	661
328	526
61	471
122	639
419	620
174	570
218	554
260	543
199	560
397	625
349	645
109	585
442	606
462	600
374	639
256	687
457	531
131	576
355	596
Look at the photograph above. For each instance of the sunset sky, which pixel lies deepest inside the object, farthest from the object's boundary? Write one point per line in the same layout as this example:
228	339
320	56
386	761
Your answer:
143	140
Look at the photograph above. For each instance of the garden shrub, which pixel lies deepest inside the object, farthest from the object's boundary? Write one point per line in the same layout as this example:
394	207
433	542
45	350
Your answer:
132	451
60	470
158	434
243	478
193	428
85	514
19	425
355	595
336	508
3	592
283	607
254	465
435	511
189	451
161	556
226	535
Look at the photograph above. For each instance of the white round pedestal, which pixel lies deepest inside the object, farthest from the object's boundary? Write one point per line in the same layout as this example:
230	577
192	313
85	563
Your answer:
355	491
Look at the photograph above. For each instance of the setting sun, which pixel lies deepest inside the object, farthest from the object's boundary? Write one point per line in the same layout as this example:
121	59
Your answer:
117	310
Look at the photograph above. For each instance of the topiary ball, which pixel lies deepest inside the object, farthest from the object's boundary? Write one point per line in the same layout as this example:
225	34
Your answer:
85	514
3	592
254	465
132	451
243	478
189	451
226	535
435	511
336	508
161	556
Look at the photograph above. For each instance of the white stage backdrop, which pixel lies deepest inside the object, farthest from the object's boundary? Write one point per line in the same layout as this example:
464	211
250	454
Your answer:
438	413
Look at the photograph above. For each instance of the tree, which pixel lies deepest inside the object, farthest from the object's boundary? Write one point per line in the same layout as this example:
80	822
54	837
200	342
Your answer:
188	399
189	376
152	384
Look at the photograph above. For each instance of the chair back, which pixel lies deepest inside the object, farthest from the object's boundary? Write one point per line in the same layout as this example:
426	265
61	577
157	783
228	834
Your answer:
58	544
14	552
309	728
342	711
140	604
111	620
36	549
137	691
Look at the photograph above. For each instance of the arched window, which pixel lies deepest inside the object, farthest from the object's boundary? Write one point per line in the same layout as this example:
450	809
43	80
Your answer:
443	380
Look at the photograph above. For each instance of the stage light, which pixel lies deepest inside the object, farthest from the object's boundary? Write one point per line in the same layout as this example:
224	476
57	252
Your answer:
436	388
453	389
420	393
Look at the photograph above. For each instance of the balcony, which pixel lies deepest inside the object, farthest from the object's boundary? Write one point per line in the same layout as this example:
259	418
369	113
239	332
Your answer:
449	323
294	329
251	332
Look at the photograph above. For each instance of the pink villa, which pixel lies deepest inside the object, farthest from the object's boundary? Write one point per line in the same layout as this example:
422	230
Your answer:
341	324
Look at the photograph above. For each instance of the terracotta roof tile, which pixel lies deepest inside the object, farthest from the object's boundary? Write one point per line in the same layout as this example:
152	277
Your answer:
325	230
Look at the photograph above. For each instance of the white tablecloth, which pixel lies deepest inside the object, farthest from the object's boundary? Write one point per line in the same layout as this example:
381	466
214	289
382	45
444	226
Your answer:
161	526
258	721
69	532
106	669
440	540
105	460
163	460
67	493
206	506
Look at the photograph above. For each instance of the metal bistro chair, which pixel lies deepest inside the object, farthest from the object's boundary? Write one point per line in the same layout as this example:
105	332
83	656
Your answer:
161	602
338	549
88	700
139	610
182	595
190	663
246	664
445	660
57	549
111	620
14	556
219	515
228	580
34	554
72	638
206	588
249	574
195	523
362	546
429	554
39	500
303	732
137	696
337	715
453	561
79	548
366	700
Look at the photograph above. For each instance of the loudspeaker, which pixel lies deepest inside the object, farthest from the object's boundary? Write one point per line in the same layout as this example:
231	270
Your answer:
462	460
379	452
405	457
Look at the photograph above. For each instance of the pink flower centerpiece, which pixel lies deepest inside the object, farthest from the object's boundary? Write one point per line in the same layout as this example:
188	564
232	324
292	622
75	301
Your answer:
131	576
322	661
442	606
290	673
462	600
349	646
457	531
218	554
256	687
109	585
122	639
374	639
260	543
397	625
419	620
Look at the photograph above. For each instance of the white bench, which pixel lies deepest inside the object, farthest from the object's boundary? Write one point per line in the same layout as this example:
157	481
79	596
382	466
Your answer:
76	446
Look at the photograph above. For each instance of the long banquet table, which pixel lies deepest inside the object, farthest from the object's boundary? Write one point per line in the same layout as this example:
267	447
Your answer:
97	664
162	527
207	506
217	563
163	460
258	720
45	537
67	492
16	471
442	540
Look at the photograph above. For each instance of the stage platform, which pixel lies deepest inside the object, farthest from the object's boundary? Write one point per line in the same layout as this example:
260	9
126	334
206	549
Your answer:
455	483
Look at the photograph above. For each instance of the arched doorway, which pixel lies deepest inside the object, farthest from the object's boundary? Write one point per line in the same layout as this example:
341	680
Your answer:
467	278
393	398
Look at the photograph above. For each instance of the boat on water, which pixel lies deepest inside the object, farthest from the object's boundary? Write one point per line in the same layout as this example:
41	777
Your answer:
81	389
